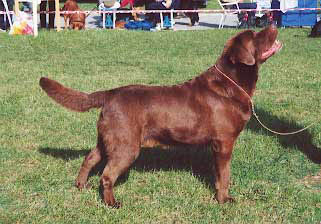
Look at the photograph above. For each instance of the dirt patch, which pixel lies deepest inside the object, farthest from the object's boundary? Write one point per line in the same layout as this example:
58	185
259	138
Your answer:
313	182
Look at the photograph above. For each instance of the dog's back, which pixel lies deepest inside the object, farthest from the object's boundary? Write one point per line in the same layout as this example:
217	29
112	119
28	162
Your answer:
70	5
316	30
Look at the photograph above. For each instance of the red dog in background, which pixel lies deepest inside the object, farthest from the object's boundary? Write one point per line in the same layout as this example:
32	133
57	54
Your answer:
76	21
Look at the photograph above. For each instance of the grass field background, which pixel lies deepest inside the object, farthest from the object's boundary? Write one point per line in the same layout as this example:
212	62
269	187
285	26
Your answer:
274	179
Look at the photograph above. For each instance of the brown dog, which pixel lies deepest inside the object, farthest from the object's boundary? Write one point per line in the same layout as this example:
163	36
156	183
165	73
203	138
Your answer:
76	21
207	110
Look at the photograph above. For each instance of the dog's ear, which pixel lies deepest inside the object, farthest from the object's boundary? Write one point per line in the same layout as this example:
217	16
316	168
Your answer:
242	55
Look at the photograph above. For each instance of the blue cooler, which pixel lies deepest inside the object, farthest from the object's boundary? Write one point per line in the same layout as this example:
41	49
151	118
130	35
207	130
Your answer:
301	18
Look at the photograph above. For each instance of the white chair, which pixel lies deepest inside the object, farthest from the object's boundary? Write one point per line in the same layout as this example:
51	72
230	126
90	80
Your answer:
34	13
4	2
102	7
226	6
35	4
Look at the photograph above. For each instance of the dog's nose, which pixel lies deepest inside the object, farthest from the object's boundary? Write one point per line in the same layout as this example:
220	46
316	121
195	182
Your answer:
273	27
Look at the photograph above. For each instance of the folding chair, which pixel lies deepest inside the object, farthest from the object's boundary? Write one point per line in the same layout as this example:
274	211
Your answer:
35	4
109	20
34	13
226	6
7	12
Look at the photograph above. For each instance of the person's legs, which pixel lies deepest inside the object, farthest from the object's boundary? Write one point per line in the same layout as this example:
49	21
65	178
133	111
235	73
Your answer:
248	6
277	15
52	9
155	17
188	5
2	24
43	16
247	19
195	18
175	4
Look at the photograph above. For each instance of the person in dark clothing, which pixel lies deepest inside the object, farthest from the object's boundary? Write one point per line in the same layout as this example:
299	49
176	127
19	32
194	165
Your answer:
4	20
161	5
191	5
43	16
142	3
277	15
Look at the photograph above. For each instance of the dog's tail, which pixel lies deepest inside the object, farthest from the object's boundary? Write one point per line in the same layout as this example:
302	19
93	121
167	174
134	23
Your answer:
72	99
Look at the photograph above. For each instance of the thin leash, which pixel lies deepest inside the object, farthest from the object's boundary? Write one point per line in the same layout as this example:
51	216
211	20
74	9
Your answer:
254	113
91	11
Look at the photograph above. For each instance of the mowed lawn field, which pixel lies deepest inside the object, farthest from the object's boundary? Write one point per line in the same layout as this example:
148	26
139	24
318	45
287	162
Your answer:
275	179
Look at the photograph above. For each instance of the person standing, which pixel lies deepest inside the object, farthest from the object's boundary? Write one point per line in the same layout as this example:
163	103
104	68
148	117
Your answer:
43	16
277	15
4	19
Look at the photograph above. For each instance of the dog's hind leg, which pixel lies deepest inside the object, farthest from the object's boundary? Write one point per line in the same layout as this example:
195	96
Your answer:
89	162
119	160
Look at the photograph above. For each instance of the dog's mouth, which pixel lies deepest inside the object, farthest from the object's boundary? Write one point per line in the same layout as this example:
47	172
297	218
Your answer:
276	47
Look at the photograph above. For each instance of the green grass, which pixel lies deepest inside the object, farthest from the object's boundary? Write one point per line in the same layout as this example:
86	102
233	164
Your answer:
213	4
42	145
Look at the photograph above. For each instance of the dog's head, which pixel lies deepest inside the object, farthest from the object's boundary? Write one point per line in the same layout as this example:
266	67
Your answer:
252	48
77	21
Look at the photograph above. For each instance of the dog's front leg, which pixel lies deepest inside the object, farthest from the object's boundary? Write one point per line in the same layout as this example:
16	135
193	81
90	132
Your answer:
65	20
222	152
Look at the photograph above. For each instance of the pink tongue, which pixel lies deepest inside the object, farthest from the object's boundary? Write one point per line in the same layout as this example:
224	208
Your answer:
269	52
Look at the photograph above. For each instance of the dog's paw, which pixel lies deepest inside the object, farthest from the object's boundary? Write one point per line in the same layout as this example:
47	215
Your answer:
225	199
81	185
115	205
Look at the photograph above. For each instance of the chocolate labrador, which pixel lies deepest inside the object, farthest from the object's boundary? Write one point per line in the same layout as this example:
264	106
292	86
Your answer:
210	109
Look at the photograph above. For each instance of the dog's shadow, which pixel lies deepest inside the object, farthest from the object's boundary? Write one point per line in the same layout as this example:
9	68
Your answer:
199	161
302	141
195	160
